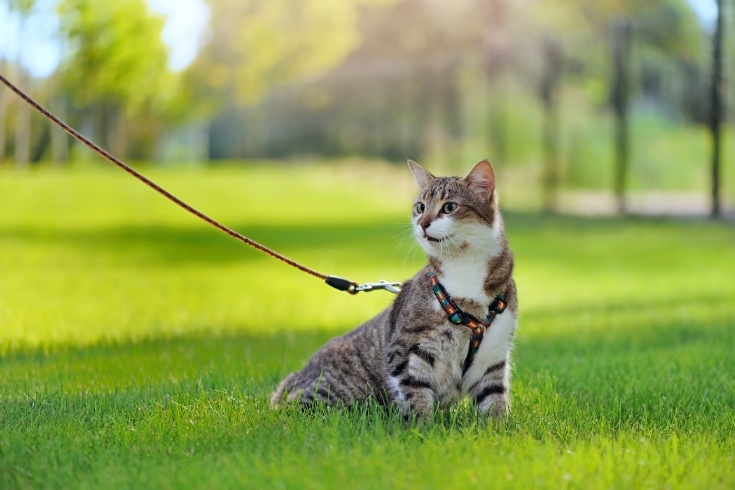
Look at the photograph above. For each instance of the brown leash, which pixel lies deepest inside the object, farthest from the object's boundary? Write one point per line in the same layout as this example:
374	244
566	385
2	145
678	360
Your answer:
335	282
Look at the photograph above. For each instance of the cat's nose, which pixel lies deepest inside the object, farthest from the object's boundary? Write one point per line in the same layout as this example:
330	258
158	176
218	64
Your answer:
424	225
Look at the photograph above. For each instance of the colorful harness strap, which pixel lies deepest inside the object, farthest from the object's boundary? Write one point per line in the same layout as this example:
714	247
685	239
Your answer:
459	317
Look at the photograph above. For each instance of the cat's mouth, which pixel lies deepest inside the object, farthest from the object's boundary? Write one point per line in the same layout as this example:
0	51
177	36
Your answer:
436	240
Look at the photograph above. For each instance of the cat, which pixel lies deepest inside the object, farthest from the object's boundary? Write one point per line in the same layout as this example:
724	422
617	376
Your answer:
418	352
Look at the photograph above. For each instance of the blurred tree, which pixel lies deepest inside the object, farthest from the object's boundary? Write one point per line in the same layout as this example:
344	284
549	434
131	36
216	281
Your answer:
4	99
413	75
716	110
668	28
22	124
116	65
621	105
669	25
553	63
665	32
59	138
254	45
23	112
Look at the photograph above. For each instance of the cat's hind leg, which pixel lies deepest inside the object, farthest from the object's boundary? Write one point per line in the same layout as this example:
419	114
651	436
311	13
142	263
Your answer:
286	391
305	387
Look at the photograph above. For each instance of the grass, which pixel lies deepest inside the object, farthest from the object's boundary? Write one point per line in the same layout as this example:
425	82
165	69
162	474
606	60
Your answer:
138	347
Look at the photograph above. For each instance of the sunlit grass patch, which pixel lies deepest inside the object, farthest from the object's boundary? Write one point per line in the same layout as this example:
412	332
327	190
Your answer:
138	347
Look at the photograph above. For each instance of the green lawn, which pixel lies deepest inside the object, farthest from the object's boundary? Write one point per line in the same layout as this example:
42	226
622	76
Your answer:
138	346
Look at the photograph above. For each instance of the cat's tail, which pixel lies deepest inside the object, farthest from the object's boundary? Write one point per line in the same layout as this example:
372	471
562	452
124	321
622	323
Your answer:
283	388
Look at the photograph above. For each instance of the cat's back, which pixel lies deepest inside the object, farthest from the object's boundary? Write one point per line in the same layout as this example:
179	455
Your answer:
350	367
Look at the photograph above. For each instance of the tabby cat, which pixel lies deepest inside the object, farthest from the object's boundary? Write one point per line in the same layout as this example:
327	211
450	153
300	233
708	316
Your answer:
428	346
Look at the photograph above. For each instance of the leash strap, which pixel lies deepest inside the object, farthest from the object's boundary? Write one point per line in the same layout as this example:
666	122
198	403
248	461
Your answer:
459	317
335	282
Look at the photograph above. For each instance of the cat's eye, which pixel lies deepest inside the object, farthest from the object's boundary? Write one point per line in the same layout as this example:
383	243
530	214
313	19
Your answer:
449	207
420	207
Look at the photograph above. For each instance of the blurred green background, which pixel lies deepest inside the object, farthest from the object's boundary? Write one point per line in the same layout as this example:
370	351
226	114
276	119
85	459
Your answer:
533	85
138	346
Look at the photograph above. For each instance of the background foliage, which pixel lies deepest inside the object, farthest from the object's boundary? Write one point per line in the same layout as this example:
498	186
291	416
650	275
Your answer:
388	79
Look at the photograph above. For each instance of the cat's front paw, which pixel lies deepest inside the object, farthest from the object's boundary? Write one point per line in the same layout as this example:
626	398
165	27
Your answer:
495	407
413	416
417	409
498	410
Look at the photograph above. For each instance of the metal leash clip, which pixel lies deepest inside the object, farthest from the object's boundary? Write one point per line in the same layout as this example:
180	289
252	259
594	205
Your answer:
353	288
393	287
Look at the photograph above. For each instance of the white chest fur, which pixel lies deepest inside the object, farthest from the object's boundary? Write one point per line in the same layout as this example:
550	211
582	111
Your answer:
495	348
465	277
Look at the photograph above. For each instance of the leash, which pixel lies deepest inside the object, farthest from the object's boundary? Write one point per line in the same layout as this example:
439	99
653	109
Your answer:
334	281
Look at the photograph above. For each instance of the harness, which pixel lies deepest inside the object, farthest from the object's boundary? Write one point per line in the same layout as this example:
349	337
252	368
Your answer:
459	317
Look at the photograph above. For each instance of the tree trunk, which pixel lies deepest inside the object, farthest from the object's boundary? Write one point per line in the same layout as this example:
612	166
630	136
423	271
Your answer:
3	122
90	128
621	62
553	61
117	136
59	138
22	128
716	110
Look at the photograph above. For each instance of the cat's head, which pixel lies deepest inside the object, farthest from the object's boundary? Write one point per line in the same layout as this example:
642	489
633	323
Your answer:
453	216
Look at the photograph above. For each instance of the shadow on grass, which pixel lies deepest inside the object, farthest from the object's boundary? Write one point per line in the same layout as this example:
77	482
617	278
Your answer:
181	245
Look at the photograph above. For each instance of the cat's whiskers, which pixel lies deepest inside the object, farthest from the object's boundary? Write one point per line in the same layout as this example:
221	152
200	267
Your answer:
408	236
447	245
452	241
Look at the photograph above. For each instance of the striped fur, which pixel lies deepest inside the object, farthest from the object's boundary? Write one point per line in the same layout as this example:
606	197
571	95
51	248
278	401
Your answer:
410	354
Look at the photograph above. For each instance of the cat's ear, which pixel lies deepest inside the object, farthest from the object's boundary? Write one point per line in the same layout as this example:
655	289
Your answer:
481	180
423	178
